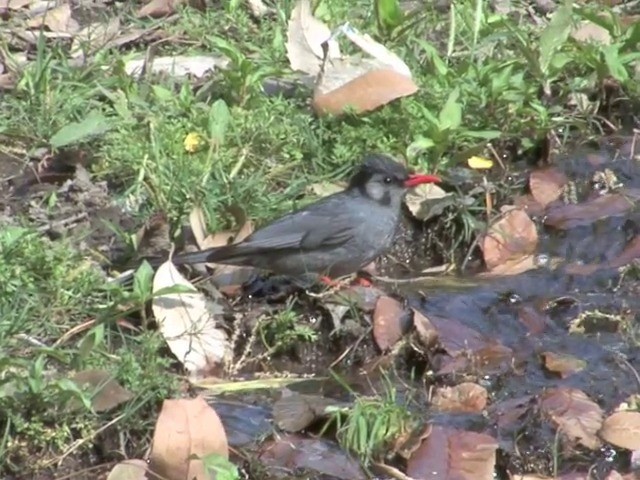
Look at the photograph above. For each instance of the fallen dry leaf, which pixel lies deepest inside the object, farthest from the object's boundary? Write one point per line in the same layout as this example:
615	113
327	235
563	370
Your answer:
512	237
590	32
57	19
305	35
164	8
426	331
565	217
451	454
365	93
188	322
562	363
466	397
133	469
291	452
185	427
94	37
428	200
577	417
629	254
388	322
622	429
178	67
198	226
295	412
546	185
106	393
533	318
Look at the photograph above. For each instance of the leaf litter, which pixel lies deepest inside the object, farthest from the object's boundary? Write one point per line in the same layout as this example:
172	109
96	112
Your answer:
570	411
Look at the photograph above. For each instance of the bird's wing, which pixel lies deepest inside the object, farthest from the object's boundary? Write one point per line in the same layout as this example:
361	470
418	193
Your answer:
308	229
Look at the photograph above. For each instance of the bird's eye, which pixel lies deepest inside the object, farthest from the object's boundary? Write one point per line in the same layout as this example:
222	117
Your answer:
388	180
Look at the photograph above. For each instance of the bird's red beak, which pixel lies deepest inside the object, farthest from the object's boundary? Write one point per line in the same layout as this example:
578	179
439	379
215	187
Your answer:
418	179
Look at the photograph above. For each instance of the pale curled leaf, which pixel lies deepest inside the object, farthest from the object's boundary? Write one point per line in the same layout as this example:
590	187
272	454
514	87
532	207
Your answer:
305	35
428	200
188	322
106	393
133	469
186	428
179	66
198	226
57	19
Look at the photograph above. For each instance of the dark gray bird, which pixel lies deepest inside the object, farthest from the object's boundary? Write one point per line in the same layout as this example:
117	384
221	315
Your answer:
335	236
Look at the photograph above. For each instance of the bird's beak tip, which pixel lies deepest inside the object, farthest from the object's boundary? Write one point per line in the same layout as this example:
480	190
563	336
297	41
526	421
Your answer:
418	179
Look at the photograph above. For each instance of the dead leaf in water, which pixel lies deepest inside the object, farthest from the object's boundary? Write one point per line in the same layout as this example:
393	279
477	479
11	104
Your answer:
577	417
295	412
533	318
562	364
451	454
512	237
546	185
466	397
186	427
622	429
189	322
292	451
426	331
388	326
568	216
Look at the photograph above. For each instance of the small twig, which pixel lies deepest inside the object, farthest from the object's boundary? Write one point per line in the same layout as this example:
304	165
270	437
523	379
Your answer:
63	223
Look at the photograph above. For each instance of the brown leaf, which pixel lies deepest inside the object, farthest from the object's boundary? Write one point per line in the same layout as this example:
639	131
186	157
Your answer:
451	454
492	357
164	8
546	185
388	322
133	469
562	364
295	412
575	415
533	318
57	19
455	337
513	266
568	216
507	413
628	255
106	392
365	93
513	236
184	428
529	205
290	452
622	429
466	397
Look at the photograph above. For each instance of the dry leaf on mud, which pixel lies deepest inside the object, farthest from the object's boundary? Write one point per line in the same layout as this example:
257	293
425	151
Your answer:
451	454
389	322
546	185
133	469
588	31
292	451
563	364
622	429
164	8
106	393
565	217
466	397
188	322
185	427
198	226
57	19
533	318
514	236
577	417
94	37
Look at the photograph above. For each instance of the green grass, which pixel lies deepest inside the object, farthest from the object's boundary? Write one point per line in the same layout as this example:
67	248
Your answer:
483	77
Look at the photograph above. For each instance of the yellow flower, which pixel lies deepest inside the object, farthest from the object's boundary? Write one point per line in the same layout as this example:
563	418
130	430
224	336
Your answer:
480	163
192	142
